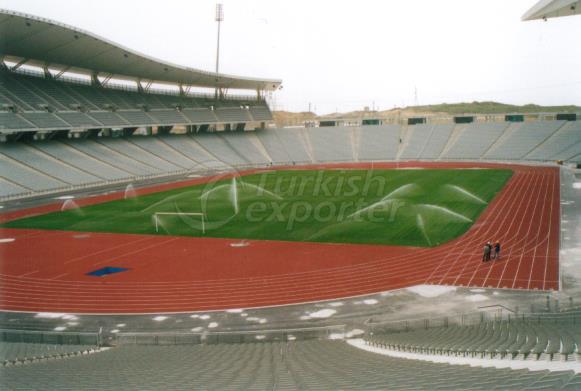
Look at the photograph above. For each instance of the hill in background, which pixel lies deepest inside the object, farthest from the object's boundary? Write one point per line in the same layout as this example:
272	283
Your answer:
286	118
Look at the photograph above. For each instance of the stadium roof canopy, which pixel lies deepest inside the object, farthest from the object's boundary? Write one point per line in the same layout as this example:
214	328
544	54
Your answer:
545	9
46	43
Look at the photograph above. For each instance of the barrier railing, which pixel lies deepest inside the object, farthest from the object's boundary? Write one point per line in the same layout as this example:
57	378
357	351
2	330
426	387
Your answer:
50	337
499	313
194	338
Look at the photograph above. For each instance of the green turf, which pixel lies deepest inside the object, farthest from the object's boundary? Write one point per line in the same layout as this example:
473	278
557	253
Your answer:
396	207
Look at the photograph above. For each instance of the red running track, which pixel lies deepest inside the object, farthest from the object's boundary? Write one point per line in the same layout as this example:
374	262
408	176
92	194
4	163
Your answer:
45	270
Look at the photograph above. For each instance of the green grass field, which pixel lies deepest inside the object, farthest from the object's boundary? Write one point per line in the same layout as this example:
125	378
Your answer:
392	207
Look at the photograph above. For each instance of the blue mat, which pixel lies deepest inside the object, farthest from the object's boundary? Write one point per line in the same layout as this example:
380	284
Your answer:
104	271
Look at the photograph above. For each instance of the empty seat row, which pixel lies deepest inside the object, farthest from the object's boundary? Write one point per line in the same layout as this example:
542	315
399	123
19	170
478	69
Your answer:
550	339
299	365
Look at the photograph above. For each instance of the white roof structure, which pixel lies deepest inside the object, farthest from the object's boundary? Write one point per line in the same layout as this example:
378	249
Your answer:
546	9
46	43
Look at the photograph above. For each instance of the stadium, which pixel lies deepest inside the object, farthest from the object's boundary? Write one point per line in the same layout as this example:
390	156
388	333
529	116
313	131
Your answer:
158	230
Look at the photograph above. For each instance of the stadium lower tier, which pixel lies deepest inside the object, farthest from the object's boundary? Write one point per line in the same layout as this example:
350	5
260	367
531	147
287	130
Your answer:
554	337
300	365
30	168
47	270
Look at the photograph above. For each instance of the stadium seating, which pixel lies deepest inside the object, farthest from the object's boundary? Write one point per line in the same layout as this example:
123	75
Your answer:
523	139
417	137
272	143
13	121
59	164
557	147
378	142
246	145
80	160
332	144
437	141
300	365
158	148
121	161
293	144
188	147
47	104
43	105
216	146
475	140
556	339
48	165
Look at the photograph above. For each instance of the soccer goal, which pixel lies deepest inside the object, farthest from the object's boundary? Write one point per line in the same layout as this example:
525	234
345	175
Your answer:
157	215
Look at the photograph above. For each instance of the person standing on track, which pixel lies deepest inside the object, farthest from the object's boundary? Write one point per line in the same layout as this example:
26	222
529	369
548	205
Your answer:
486	255
496	254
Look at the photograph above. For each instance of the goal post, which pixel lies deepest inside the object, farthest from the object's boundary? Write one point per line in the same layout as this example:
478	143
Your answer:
156	216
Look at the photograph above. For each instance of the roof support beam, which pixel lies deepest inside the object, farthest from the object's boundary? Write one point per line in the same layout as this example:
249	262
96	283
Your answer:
95	80
47	74
19	64
61	72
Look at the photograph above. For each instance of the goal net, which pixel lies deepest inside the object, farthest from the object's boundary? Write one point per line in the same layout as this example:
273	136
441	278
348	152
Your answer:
166	215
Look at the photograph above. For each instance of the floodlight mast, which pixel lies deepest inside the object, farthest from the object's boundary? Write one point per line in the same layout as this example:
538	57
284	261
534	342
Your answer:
219	19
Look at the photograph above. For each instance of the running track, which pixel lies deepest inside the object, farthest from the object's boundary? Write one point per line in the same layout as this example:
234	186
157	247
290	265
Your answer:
45	270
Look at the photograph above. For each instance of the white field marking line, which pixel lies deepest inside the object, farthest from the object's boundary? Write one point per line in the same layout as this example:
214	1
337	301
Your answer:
515	194
93	254
82	257
190	299
173	239
29	273
539	226
59	276
499	214
421	259
36	233
252	296
524	244
475	237
556	188
509	253
513	218
179	295
536	243
556	182
515	246
519	244
346	267
156	218
239	303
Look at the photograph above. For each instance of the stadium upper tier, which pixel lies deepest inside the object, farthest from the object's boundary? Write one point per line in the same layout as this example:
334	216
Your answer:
30	40
58	165
36	103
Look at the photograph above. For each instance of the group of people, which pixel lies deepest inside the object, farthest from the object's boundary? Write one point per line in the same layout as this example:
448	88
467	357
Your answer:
491	252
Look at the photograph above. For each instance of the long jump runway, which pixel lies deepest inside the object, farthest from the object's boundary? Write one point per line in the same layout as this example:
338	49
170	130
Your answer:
44	271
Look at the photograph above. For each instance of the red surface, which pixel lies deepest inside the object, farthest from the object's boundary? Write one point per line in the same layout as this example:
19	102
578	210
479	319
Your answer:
45	270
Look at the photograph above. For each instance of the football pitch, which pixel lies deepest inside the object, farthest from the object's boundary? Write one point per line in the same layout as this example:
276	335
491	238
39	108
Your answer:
410	207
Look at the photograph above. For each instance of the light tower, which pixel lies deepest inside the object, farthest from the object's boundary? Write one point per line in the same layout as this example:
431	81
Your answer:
219	19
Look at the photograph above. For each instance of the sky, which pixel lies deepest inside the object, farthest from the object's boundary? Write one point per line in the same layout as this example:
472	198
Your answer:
344	55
